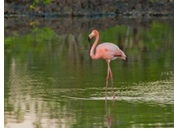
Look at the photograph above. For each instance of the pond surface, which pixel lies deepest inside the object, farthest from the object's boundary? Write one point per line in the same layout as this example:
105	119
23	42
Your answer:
51	81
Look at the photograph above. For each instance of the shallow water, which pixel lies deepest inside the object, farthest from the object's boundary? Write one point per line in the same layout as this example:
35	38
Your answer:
51	81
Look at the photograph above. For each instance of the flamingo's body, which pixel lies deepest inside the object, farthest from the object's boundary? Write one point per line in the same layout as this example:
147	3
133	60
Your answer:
107	51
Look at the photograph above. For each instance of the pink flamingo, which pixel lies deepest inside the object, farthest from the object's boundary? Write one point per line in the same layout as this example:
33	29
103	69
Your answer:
107	51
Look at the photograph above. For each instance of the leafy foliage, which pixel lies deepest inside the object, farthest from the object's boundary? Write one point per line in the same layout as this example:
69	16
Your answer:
37	1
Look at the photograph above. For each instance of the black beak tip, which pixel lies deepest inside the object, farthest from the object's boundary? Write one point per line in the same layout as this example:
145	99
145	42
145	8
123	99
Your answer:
89	39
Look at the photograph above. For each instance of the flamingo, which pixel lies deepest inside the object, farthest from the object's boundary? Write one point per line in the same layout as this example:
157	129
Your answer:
107	51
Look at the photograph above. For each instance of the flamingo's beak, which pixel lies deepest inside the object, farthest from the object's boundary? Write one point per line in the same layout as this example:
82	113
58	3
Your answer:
89	39
90	36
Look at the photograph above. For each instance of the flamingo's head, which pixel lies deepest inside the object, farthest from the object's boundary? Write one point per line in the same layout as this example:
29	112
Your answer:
93	33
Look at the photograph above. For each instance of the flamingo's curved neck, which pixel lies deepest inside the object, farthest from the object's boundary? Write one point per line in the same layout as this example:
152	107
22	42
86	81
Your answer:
93	47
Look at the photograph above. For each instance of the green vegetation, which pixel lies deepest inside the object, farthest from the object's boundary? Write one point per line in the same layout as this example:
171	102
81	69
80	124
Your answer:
37	1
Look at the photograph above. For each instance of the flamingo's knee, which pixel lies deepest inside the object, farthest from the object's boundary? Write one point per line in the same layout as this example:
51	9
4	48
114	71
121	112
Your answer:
107	78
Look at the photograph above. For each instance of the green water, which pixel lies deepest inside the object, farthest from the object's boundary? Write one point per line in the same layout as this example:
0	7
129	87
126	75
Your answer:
51	81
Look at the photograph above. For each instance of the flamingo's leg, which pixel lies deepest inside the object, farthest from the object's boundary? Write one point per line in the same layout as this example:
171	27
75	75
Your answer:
107	78
108	62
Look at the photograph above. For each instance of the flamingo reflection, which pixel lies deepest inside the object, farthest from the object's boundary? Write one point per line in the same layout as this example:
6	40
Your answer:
109	122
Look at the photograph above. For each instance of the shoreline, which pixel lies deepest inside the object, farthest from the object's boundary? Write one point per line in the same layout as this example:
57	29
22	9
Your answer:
67	25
